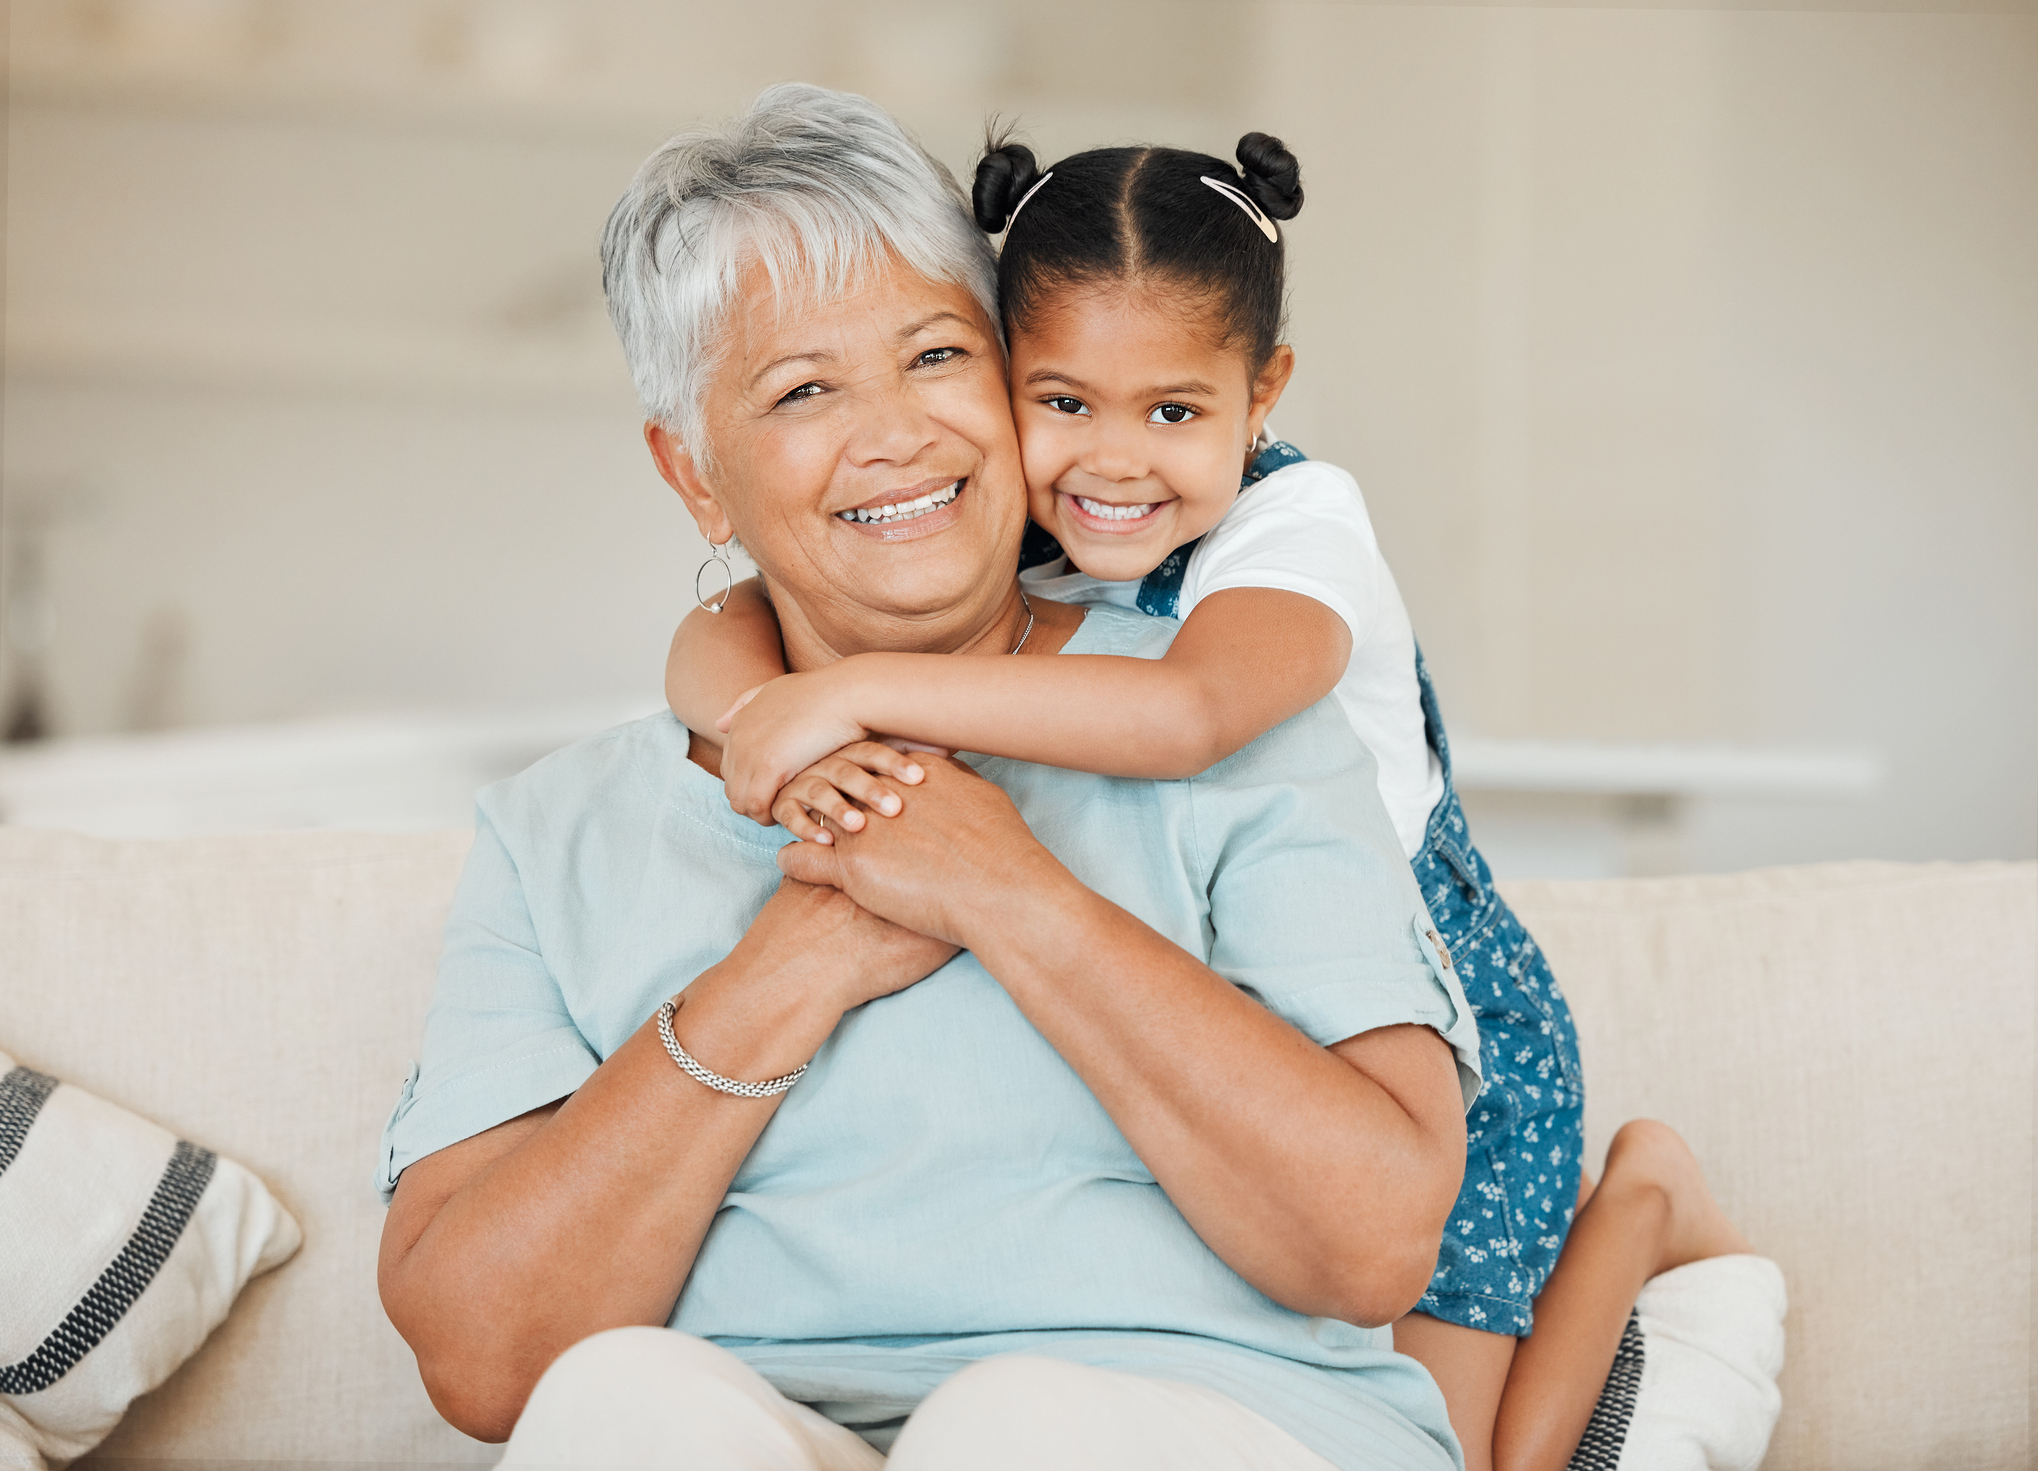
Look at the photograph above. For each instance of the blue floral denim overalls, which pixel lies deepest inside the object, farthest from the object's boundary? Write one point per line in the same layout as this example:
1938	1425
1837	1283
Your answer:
1525	1131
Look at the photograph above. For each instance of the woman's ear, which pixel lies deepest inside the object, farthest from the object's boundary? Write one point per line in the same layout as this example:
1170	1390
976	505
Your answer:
684	476
1268	387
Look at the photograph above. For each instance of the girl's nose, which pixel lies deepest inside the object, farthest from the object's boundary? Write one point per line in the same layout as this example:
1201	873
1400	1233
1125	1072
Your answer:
1115	452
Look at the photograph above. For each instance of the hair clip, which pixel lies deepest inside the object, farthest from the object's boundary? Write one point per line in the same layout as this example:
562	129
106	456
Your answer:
1237	197
1013	218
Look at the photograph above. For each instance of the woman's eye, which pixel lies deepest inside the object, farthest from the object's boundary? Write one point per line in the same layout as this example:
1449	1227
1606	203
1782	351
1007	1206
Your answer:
803	392
1171	414
1063	404
935	356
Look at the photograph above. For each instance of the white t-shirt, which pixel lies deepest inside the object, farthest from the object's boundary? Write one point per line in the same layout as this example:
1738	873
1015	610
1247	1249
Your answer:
1304	529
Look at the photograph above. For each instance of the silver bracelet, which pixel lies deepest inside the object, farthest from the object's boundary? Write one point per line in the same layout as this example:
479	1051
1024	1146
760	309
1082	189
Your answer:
713	1079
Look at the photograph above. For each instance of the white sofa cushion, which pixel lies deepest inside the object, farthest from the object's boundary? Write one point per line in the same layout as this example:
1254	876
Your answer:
1849	1050
263	995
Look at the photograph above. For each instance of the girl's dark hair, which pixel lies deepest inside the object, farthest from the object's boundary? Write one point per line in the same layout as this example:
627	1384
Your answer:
1133	214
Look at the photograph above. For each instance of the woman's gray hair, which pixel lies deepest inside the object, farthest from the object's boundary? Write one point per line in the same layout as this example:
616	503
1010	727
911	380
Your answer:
818	187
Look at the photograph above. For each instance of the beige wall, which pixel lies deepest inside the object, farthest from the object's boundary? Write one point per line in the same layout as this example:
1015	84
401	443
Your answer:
1687	358
1689	361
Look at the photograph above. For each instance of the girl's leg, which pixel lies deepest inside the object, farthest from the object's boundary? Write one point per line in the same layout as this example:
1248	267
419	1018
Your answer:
1650	1213
1523	1406
1470	1367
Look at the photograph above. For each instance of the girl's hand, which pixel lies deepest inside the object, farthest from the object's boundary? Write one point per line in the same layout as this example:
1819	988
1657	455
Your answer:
842	786
729	715
777	731
952	866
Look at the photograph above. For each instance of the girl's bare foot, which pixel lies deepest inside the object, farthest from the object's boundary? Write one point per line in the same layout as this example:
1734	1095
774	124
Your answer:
1649	1157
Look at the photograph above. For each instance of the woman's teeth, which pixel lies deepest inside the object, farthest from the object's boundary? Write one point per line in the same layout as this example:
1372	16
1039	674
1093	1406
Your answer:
934	500
1105	511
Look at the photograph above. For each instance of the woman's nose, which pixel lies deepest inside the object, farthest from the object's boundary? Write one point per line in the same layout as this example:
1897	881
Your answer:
893	428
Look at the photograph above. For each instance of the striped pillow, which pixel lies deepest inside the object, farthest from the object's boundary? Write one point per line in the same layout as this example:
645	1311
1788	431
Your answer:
1693	1386
125	1247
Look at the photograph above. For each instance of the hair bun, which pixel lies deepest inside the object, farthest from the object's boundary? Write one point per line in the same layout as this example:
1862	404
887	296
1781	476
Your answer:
1004	174
1272	176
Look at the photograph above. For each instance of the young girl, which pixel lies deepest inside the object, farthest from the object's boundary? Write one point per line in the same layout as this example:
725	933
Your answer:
1142	295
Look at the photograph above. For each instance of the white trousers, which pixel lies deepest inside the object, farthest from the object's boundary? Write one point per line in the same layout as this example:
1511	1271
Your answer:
651	1398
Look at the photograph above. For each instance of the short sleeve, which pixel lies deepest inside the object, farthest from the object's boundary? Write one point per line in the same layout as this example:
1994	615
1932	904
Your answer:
1313	907
498	1039
1303	529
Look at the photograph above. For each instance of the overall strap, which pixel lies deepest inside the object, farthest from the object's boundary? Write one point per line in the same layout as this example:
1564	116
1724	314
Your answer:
1432	715
1160	591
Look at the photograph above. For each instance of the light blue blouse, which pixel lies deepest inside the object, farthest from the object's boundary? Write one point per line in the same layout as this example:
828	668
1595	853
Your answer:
941	1186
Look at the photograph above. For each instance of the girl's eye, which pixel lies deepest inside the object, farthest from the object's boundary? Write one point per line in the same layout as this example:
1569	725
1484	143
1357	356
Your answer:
802	393
934	357
1171	414
1063	404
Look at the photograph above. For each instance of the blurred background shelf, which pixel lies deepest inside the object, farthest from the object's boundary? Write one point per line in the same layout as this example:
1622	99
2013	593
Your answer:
1539	808
398	772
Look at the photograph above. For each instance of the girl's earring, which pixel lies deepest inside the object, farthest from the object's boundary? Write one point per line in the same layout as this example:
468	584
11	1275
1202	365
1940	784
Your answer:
718	558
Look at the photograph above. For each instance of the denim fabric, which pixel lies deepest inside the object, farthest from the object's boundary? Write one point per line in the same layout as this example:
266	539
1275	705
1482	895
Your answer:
1037	548
1525	1131
1160	591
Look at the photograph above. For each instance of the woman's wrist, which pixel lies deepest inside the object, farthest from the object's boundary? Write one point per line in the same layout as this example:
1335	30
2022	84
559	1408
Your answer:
1029	892
751	1026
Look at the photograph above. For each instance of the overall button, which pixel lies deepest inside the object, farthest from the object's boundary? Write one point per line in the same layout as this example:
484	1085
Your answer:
1443	950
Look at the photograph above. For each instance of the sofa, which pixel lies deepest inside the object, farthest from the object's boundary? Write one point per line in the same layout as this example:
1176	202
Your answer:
1848	1047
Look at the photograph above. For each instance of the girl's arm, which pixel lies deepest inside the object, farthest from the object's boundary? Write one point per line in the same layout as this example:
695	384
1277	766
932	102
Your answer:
1246	660
716	657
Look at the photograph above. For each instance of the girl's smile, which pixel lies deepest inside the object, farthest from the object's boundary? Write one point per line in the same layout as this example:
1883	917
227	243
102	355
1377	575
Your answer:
1109	518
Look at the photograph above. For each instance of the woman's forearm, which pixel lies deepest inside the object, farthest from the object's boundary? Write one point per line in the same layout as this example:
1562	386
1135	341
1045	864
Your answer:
1322	1177
500	1254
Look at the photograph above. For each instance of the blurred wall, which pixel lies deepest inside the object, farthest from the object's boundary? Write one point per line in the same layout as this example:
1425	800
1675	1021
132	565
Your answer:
1690	362
1688	358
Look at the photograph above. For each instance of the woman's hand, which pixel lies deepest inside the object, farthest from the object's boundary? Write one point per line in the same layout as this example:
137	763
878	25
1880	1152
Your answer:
938	868
502	1251
811	937
778	730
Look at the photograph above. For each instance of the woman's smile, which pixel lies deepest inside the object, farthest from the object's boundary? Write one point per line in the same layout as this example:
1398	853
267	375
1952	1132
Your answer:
916	510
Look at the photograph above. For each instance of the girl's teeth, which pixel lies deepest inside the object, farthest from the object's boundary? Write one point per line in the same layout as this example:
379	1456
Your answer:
934	500
1105	511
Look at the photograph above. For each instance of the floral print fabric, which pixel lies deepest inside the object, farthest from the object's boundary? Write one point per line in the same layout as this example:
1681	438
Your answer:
1525	1131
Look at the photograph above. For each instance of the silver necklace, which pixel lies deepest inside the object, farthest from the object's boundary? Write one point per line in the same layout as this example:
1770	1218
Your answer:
1028	631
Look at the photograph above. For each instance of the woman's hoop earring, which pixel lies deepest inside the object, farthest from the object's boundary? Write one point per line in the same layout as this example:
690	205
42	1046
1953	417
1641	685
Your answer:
719	557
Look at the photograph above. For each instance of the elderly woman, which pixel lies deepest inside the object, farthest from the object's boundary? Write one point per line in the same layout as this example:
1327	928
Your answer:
1081	1122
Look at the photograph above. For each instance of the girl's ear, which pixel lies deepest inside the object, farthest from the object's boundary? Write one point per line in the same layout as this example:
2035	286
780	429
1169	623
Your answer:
1268	387
684	476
